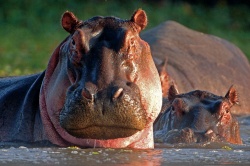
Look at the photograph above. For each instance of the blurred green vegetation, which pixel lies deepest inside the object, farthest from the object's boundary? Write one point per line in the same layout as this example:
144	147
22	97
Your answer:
31	30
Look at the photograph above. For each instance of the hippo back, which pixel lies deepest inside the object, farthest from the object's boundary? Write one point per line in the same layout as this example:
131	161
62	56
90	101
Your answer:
200	61
19	109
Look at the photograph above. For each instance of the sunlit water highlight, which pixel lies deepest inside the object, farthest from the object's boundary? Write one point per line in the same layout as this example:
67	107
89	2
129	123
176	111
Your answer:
163	154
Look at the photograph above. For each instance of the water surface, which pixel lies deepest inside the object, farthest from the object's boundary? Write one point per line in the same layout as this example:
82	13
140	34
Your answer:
163	154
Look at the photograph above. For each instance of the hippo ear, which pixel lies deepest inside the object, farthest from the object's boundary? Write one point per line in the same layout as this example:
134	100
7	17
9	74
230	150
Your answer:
232	96
172	92
140	18
69	21
164	77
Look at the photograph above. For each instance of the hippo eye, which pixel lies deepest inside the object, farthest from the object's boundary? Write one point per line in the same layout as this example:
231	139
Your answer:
172	108
73	42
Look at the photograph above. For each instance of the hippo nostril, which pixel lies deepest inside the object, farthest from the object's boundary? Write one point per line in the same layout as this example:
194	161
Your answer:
209	132
117	93
128	83
87	95
89	91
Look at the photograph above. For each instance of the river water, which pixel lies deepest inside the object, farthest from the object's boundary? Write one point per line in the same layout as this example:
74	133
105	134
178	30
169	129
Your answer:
163	154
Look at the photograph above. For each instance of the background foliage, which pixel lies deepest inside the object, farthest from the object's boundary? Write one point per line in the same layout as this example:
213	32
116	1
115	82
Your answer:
30	30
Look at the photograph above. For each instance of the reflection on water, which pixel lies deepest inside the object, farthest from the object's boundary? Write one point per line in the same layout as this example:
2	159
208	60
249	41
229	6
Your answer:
209	154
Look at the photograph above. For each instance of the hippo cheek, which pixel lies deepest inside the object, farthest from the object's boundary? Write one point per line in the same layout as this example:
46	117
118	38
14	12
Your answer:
105	117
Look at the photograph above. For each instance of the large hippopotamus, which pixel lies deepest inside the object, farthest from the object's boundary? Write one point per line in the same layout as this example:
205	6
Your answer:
101	87
198	117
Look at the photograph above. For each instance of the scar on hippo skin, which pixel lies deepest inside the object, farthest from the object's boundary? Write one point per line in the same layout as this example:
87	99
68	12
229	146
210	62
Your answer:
197	117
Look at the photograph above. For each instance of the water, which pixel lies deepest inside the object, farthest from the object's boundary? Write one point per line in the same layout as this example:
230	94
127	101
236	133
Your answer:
163	154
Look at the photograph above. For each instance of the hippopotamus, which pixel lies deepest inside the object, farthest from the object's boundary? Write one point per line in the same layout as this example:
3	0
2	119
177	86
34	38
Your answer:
101	87
200	61
198	117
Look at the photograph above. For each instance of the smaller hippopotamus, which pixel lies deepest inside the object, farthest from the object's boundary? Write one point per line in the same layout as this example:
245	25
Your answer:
198	117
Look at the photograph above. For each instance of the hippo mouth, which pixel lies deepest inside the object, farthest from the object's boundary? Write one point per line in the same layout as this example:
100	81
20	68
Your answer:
102	132
103	118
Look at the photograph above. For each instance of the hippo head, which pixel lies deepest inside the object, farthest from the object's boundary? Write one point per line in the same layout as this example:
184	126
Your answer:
101	87
199	116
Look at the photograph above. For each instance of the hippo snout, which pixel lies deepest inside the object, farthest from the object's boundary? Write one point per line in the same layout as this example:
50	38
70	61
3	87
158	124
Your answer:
113	112
90	92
